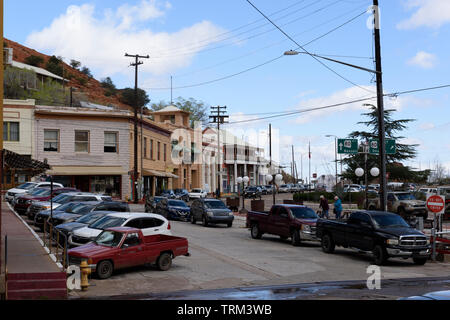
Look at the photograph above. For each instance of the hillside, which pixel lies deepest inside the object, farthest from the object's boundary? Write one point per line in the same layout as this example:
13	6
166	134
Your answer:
91	87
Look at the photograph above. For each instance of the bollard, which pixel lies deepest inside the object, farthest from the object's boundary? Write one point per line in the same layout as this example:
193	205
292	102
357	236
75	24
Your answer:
85	272
433	236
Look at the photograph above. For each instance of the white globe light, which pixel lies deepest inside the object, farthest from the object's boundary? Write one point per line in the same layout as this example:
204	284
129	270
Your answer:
246	179
375	172
269	178
239	180
278	178
359	172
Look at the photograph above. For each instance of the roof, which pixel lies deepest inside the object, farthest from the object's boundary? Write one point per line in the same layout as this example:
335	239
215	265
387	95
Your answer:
128	215
38	70
170	109
123	229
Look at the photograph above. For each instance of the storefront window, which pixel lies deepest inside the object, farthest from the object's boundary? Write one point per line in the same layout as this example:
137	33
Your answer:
109	185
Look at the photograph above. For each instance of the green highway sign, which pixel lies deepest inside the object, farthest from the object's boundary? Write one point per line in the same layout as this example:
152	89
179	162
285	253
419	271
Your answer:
374	147
347	146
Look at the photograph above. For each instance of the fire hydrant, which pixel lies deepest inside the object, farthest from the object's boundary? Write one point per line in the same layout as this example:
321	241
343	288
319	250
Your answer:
85	272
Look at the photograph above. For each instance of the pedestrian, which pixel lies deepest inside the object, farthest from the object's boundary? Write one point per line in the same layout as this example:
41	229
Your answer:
337	207
324	206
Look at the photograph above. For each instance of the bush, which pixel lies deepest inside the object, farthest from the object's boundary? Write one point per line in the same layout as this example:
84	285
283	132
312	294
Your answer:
34	60
82	81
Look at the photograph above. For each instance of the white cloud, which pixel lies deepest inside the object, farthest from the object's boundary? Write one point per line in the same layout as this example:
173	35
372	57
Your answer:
429	13
100	42
427	126
424	60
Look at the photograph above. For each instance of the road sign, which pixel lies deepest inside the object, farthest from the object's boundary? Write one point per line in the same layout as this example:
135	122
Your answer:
390	145
347	146
436	204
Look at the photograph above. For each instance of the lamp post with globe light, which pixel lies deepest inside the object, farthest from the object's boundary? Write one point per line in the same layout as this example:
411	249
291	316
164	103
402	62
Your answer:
243	180
276	181
360	172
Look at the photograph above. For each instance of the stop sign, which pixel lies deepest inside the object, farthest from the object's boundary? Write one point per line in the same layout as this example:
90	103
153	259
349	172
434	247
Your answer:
436	203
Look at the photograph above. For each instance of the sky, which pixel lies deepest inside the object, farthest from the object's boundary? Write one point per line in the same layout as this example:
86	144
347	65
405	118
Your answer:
226	53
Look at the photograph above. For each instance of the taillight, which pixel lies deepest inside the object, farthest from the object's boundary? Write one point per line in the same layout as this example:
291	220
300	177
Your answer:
168	226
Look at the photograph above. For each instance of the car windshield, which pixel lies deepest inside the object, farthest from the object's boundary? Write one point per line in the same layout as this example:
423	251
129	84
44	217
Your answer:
67	206
83	209
303	213
157	199
61	198
196	190
40	192
215	205
389	221
175	203
109	238
107	222
405	196
90	218
27	185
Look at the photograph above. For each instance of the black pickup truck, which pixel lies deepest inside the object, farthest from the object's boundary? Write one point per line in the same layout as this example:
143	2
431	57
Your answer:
384	234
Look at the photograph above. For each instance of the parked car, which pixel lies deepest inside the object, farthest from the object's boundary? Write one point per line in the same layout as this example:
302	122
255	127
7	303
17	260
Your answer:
87	207
151	202
403	203
170	194
284	188
38	194
64	198
211	211
295	188
435	295
252	192
43	215
28	186
287	221
269	188
181	194
173	209
197	193
384	234
428	190
149	223
122	247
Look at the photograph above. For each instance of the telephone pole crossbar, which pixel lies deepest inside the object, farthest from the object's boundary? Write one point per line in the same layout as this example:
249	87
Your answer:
218	116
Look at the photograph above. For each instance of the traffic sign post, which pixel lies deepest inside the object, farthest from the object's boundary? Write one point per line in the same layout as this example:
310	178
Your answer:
374	146
435	204
347	146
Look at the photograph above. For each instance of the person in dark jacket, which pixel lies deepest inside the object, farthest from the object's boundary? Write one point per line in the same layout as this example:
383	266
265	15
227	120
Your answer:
324	206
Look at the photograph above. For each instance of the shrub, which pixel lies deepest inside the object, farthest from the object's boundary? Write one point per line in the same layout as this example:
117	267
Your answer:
34	60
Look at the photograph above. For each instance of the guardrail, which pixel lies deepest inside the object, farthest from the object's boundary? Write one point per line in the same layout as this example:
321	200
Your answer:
54	235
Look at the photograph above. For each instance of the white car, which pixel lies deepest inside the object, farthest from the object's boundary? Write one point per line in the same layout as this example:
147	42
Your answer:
149	223
197	194
13	193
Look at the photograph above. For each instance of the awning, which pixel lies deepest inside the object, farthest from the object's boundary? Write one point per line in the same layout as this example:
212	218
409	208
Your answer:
157	173
86	171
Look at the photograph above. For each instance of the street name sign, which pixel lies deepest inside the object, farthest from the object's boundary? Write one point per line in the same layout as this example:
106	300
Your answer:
347	146
374	146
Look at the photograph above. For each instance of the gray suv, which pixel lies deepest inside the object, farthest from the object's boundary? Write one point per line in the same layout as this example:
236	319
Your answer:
211	211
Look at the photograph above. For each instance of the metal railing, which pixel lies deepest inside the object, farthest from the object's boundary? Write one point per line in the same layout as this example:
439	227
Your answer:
52	240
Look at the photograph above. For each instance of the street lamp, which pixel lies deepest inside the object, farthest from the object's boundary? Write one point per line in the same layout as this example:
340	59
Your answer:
335	154
360	172
243	180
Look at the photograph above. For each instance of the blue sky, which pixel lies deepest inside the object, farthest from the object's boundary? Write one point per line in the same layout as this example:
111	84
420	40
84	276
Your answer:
200	41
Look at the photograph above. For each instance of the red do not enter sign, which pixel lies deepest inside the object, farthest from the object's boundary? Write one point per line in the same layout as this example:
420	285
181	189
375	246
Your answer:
435	203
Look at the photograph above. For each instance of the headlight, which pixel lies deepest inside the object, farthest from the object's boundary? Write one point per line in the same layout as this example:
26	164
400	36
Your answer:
46	207
306	228
230	213
428	241
393	242
210	213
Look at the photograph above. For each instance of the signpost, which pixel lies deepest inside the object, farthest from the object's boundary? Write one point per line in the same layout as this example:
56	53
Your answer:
347	146
435	204
374	146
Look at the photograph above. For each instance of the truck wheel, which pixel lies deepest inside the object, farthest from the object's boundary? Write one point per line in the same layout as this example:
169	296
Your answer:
295	238
420	261
204	221
164	261
380	255
229	224
193	221
104	269
255	232
328	244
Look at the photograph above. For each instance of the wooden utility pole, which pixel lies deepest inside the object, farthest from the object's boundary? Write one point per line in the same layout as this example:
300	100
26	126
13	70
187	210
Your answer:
218	116
380	109
135	172
1	129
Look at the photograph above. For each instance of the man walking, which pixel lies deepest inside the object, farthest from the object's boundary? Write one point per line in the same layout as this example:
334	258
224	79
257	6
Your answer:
324	206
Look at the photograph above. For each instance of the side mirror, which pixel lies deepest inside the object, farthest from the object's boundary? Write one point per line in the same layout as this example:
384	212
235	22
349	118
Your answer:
124	246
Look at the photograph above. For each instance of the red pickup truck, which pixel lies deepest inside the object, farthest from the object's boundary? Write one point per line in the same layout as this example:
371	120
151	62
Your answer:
123	247
287	221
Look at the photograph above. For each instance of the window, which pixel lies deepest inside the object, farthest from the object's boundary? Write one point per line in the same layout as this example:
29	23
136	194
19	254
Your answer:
111	142
135	223
151	149
51	140
10	131
145	148
148	223
158	222
81	141
165	152
159	150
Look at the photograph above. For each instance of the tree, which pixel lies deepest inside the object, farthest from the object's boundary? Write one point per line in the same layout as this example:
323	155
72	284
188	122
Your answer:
197	109
75	64
85	70
127	96
109	86
393	162
54	66
34	60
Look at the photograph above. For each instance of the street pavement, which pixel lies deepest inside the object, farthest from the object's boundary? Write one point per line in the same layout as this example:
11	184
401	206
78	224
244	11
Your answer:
224	257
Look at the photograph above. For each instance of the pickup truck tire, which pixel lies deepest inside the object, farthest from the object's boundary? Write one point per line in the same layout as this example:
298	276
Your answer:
164	261
104	269
295	238
380	255
255	232
193	220
328	244
420	261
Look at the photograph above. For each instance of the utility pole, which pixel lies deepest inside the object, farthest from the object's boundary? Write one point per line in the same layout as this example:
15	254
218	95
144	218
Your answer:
218	114
293	163
1	127
135	173
380	102
274	188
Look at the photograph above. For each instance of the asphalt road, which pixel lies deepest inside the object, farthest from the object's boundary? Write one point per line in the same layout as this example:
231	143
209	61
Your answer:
224	257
